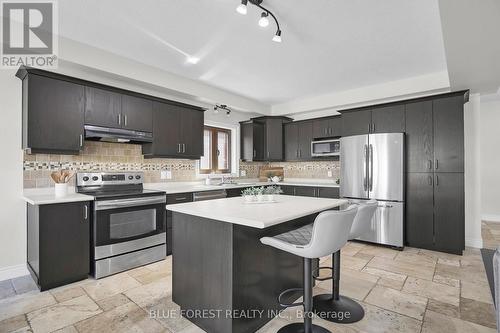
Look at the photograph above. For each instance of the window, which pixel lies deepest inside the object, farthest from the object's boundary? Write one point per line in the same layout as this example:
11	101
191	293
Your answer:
216	150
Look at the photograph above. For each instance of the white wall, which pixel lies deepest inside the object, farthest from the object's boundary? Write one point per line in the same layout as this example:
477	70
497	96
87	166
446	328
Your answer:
490	157
12	208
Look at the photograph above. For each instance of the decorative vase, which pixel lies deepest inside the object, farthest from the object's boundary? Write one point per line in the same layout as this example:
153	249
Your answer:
61	190
249	198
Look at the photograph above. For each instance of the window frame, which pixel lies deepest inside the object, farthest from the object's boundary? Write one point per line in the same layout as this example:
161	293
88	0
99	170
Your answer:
214	157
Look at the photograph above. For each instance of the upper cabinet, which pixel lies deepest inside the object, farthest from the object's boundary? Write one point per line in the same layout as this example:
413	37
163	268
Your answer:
327	127
102	107
53	115
57	107
262	139
384	119
137	113
177	132
419	137
298	137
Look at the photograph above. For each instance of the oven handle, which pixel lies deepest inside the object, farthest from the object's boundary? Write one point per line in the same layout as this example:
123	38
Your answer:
123	203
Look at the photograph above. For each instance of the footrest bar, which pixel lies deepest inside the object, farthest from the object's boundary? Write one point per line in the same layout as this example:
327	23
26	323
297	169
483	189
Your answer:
315	274
288	305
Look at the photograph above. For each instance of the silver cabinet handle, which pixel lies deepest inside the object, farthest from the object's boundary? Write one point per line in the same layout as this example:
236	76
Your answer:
125	120
183	147
119	119
178	147
365	169
429	164
437	180
373	127
268	153
85	212
429	181
179	199
254	153
369	128
437	164
81	140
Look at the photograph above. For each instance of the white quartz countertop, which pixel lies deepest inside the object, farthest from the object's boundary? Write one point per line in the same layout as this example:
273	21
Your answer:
257	215
46	196
174	187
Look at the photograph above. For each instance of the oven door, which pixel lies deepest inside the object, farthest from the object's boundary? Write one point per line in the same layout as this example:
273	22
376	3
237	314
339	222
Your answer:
125	225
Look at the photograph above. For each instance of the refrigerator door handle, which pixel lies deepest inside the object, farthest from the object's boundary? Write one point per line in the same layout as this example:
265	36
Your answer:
365	169
371	167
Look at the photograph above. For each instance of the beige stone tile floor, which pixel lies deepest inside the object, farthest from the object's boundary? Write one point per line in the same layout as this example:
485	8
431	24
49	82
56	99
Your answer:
401	291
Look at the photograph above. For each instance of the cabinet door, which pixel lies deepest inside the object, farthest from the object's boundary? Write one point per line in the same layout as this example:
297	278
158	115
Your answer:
166	132
390	119
288	190
102	108
291	142
259	151
449	134
335	124
328	192
54	115
305	130
419	137
356	123
246	142
137	113
305	191
64	243
274	140
419	210
321	128
449	212
192	129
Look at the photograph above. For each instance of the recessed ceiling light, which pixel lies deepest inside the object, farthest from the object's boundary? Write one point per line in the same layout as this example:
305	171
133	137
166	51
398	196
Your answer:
192	60
264	21
242	8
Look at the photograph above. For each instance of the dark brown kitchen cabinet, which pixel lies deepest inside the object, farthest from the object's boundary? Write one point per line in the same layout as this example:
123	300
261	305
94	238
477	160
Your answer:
298	137
311	191
102	107
58	243
420	210
137	113
252	141
327	127
53	115
328	192
273	147
388	119
172	199
419	137
305	191
449	215
356	122
177	132
448	123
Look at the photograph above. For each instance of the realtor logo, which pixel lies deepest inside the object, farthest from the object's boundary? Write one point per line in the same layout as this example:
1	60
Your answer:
29	35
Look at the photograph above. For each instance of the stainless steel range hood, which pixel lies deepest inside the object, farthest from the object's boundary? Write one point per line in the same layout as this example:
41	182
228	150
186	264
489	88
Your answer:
119	135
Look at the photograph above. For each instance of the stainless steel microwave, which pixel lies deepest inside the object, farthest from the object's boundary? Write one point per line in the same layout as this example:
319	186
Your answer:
324	148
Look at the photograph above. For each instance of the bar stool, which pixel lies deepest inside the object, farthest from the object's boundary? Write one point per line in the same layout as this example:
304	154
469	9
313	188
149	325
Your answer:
335	307
326	235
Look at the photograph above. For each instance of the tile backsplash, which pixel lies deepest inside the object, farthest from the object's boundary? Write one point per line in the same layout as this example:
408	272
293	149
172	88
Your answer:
104	156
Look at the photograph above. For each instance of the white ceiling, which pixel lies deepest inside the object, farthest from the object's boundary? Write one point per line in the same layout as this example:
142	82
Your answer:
328	45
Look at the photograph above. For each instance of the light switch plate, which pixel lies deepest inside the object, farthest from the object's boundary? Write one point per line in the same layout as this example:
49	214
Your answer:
166	174
243	173
330	173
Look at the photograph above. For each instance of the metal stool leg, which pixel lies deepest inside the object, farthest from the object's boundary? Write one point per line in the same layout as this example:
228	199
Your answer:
307	326
335	307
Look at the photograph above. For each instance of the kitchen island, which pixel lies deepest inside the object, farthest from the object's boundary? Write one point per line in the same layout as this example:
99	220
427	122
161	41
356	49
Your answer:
224	279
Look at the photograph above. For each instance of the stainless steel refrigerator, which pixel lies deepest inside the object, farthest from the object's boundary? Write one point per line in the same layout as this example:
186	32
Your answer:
372	168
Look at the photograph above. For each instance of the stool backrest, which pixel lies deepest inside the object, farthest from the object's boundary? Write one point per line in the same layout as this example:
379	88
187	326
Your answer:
362	221
330	232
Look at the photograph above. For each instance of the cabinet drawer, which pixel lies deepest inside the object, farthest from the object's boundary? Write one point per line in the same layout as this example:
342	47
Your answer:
179	198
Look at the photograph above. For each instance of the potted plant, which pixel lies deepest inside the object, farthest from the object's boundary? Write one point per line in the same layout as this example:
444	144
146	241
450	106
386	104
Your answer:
249	194
270	191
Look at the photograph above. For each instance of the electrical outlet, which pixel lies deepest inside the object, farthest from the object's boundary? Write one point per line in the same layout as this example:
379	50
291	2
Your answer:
166	174
243	173
330	173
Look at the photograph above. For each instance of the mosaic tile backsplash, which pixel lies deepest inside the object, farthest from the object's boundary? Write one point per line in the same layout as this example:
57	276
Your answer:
104	156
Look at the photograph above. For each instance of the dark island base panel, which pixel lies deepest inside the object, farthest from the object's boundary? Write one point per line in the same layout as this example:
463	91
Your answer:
222	268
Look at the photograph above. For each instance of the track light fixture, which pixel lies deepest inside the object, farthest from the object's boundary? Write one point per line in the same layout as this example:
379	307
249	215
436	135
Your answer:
222	107
264	17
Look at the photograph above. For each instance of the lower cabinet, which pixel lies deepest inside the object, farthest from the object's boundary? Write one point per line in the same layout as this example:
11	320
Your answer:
435	211
58	243
174	199
311	191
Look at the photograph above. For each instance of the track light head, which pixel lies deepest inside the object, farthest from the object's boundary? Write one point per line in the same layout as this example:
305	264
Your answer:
242	7
277	37
263	21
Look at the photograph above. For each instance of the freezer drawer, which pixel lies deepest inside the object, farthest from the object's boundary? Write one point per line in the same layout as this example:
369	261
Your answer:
386	225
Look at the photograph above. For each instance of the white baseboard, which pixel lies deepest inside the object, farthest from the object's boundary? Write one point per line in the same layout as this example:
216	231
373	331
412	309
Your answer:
474	242
490	217
11	272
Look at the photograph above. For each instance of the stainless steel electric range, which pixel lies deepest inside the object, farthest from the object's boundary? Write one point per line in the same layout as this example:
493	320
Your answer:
129	222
